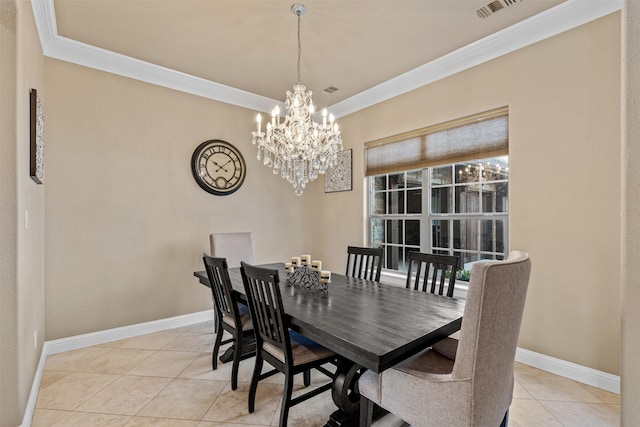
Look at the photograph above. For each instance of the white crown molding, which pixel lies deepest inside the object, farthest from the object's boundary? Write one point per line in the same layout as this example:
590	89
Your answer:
559	19
563	17
65	49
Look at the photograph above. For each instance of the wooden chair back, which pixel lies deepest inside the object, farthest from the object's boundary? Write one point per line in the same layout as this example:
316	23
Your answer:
221	288
430	272
364	263
265	301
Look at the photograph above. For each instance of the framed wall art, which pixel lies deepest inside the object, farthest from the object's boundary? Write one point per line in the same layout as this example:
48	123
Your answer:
36	157
338	178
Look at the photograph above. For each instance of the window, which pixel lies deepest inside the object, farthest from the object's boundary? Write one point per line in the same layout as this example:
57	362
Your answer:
458	209
441	189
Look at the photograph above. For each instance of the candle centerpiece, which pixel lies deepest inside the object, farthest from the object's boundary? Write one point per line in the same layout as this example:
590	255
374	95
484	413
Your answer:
304	272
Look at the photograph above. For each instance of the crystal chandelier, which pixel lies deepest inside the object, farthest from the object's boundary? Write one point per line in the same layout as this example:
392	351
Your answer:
297	147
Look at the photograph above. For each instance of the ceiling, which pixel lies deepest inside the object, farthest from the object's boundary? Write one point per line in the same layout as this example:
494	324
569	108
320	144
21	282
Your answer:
244	51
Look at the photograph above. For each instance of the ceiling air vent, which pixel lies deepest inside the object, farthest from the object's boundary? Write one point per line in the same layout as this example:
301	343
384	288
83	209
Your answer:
331	89
493	7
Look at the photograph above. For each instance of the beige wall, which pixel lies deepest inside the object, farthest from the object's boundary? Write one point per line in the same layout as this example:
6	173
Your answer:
630	386
31	293
126	223
22	256
9	411
564	100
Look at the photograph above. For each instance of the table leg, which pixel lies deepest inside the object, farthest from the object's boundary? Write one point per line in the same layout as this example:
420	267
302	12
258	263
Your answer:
248	350
345	395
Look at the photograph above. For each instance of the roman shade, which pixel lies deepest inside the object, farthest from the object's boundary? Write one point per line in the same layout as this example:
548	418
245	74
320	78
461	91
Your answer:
473	137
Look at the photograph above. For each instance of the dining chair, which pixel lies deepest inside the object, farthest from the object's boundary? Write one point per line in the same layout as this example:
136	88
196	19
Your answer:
230	316
287	351
364	263
235	247
432	271
476	387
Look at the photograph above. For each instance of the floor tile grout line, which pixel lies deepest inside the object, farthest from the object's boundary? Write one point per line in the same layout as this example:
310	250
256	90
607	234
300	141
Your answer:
598	401
228	384
94	394
156	395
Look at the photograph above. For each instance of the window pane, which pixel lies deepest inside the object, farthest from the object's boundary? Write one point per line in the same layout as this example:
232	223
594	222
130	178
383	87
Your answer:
440	233
467	172
380	182
412	232
414	179
466	259
440	199
405	262
496	169
395	202
414	201
377	232
465	234
441	176
407	249
378	203
394	257
492	238
396	180
394	231
494	197
467	199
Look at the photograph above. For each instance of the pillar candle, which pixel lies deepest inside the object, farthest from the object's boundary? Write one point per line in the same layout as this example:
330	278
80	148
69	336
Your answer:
325	276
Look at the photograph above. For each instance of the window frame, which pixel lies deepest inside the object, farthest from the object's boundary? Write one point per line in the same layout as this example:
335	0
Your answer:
426	217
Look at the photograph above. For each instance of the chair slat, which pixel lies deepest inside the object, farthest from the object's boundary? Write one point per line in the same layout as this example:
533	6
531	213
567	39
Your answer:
364	263
436	269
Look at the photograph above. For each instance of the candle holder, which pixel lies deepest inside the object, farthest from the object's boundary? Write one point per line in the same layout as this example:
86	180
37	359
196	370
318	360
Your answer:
307	278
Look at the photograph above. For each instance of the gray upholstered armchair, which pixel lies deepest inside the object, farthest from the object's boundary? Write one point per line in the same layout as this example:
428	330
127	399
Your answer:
471	385
235	247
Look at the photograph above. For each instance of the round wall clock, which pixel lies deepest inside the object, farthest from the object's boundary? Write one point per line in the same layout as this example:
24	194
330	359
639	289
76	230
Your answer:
218	167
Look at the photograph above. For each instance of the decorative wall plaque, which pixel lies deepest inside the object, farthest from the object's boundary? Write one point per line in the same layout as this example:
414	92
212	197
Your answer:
36	157
338	178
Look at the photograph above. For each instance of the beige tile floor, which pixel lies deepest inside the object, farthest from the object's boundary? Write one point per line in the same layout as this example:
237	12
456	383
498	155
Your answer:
165	379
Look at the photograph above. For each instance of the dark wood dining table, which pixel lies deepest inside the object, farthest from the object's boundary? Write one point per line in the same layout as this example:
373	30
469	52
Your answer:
370	325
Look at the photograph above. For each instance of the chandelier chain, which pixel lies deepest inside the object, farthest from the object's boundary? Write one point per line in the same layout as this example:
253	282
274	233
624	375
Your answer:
299	48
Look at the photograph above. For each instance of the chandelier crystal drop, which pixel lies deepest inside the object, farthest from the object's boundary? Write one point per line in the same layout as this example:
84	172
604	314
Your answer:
296	146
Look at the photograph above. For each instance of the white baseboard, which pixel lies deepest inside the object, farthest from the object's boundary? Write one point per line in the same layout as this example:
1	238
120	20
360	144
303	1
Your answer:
35	387
569	370
101	337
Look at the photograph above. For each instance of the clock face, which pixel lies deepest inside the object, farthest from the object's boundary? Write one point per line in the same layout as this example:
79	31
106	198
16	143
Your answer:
218	167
